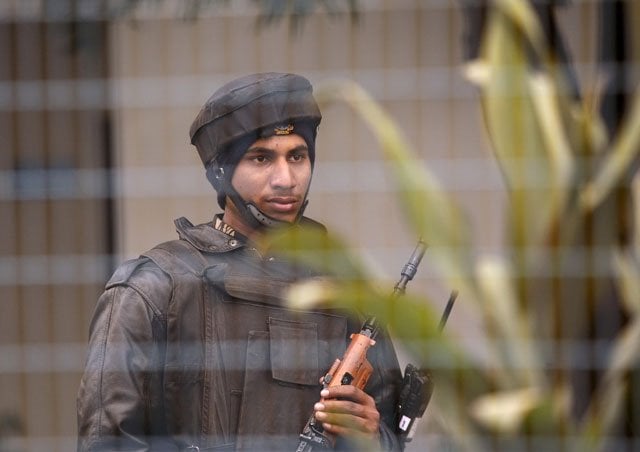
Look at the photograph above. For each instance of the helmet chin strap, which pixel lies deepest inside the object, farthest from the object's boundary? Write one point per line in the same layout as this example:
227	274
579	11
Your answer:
256	218
268	222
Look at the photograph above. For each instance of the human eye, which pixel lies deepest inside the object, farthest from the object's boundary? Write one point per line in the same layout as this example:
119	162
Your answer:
258	158
298	156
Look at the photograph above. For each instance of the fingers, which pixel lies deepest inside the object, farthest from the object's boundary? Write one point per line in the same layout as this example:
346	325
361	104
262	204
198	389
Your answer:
348	392
347	410
343	423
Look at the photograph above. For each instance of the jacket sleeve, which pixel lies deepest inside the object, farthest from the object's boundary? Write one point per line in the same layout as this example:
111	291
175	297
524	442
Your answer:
116	405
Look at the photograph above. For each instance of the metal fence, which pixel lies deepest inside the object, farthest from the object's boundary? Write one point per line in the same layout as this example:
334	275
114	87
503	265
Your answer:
95	161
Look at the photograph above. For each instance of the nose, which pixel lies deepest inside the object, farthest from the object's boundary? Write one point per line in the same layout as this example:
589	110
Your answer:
282	175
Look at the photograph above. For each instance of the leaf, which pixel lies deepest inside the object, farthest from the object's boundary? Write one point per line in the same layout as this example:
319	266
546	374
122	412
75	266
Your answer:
312	293
556	142
433	215
346	284
451	406
504	412
536	127
522	15
628	281
618	163
626	353
513	339
606	405
317	249
513	126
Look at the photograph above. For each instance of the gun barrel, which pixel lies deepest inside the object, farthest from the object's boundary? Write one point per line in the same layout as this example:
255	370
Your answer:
410	268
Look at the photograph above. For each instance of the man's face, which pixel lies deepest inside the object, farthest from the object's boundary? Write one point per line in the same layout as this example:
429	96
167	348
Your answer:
274	175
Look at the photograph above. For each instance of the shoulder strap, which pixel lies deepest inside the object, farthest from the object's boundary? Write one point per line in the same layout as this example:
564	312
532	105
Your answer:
178	256
124	271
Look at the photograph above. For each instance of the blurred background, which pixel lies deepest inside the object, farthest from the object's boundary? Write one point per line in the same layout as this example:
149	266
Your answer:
96	99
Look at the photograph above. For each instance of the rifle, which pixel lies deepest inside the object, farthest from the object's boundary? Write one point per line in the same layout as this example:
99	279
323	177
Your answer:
354	369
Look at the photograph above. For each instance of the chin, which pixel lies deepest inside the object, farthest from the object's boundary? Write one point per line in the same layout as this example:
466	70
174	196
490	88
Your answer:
289	218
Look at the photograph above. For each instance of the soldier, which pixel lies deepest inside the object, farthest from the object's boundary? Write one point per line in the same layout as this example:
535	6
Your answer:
192	346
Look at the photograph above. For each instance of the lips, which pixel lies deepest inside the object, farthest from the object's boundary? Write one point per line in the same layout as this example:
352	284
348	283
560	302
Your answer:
283	203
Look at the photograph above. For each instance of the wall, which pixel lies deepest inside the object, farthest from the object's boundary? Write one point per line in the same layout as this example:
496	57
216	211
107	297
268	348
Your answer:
55	217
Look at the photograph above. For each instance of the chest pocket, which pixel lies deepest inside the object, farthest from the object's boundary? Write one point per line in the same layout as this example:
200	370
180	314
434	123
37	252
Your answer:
295	351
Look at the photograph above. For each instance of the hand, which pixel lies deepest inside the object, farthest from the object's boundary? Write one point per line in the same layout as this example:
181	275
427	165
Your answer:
348	411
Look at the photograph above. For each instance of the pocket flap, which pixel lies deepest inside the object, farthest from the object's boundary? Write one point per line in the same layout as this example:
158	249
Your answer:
293	347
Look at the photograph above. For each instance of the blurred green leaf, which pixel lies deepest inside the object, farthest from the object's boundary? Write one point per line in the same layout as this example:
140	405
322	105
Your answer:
628	270
349	284
433	215
507	324
556	142
315	248
412	319
618	162
513	127
312	293
606	405
505	411
551	417
452	406
521	14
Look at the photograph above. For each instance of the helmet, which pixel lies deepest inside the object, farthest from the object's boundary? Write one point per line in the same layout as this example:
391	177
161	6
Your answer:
249	104
242	111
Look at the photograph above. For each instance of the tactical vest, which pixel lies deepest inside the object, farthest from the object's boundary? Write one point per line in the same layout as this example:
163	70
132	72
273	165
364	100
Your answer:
241	369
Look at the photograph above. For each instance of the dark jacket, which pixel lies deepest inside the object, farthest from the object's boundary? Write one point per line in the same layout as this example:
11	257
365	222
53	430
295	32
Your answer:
192	345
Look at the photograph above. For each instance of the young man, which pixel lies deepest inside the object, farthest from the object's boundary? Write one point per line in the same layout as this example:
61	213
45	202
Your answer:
192	346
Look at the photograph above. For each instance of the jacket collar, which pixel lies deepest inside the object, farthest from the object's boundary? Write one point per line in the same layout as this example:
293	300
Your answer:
205	237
